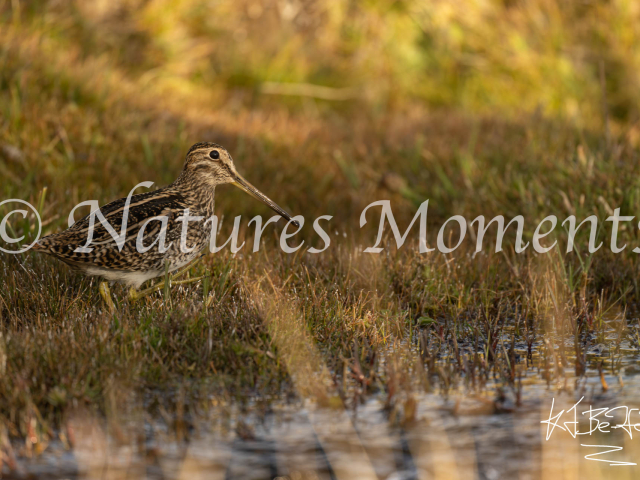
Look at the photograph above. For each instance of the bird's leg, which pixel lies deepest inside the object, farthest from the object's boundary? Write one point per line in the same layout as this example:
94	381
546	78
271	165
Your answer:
136	295
105	292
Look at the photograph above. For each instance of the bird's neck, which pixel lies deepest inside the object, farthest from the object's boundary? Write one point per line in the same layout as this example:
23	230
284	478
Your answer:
201	193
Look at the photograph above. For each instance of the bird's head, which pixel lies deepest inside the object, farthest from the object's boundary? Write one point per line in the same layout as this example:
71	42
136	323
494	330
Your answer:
211	163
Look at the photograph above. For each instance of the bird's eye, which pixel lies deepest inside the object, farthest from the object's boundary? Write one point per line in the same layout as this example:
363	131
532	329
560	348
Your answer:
214	154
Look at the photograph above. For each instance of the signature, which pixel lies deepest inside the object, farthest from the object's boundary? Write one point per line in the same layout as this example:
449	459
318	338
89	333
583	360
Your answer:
600	420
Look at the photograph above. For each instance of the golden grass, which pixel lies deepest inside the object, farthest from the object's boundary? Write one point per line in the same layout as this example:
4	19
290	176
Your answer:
99	96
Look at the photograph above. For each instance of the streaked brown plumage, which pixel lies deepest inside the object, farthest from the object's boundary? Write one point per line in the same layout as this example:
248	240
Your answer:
206	166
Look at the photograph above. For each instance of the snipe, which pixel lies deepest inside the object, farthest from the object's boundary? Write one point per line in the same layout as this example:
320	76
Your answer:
206	166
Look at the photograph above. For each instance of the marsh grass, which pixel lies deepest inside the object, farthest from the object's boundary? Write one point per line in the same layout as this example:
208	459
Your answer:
334	328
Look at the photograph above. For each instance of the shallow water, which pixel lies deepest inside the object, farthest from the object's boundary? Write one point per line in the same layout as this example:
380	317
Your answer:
456	435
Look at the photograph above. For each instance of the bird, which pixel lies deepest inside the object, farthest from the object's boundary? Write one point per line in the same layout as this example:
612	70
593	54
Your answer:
143	254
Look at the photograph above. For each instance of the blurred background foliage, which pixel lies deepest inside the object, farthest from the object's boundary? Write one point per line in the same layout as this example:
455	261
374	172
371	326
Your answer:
480	55
332	104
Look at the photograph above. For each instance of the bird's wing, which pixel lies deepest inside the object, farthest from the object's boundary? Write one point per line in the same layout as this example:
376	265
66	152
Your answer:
142	207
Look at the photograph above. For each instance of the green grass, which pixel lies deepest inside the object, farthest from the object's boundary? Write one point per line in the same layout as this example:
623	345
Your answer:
91	124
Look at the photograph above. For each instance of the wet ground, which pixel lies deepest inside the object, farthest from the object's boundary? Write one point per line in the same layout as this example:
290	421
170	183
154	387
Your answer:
488	434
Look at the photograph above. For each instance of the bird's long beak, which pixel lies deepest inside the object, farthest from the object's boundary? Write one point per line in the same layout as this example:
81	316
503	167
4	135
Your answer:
242	184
